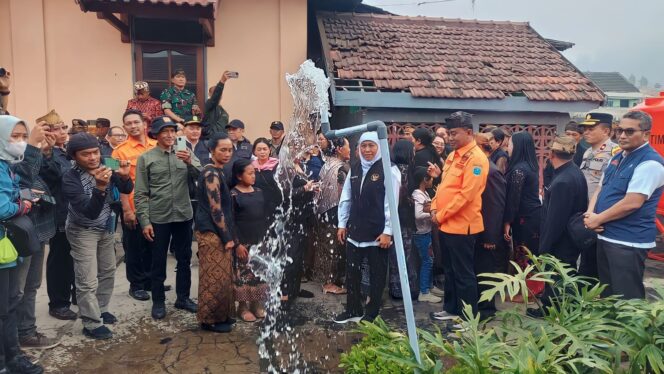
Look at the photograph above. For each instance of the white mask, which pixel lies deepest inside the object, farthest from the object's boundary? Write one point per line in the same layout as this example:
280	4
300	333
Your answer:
17	149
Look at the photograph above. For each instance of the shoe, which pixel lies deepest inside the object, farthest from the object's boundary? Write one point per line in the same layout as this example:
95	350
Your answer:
460	327
21	364
187	305
305	294
534	313
429	298
37	340
443	316
100	333
167	287
158	311
217	327
108	318
4	371
140	295
63	313
437	291
346	317
369	318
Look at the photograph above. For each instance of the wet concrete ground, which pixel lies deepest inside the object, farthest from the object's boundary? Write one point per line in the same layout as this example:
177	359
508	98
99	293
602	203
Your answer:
177	345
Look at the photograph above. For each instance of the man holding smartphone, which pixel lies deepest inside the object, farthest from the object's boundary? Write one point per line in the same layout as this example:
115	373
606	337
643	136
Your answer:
88	187
215	117
164	211
138	256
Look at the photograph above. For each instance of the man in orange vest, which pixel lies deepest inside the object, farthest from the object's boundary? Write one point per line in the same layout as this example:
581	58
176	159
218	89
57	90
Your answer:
456	210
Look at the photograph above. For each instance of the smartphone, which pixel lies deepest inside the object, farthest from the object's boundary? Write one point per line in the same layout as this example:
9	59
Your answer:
233	74
3	72
27	194
181	144
111	163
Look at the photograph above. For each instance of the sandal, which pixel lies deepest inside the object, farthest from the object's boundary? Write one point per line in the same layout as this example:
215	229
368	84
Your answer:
334	289
247	316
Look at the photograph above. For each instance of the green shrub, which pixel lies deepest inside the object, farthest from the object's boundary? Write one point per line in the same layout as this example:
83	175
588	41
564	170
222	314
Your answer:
581	332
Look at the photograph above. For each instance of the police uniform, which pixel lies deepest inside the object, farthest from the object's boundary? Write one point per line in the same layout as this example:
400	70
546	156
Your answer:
457	206
595	160
594	163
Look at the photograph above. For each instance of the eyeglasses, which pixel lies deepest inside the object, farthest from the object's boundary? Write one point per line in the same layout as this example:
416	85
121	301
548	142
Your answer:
628	132
119	135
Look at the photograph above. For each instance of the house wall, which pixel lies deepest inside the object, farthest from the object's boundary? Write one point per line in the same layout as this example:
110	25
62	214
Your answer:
494	118
262	40
64	59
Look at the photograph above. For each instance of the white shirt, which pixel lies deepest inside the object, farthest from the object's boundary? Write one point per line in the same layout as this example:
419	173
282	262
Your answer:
345	202
648	176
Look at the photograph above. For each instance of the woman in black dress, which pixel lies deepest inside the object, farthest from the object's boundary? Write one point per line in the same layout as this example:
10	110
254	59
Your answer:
250	228
266	167
402	157
522	210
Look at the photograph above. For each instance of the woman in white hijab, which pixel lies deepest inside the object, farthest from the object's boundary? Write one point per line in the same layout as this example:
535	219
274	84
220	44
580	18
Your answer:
365	227
13	142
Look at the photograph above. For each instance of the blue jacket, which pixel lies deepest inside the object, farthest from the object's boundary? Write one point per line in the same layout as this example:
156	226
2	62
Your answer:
9	199
639	226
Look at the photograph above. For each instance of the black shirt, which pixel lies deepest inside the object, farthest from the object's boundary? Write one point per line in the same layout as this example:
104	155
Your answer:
566	196
249	214
493	206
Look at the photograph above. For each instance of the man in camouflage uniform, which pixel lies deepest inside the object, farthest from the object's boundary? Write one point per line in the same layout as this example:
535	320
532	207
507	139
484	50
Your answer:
177	101
596	131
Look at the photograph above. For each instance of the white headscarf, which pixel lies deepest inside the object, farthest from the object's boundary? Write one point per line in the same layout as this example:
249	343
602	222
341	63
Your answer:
370	136
7	124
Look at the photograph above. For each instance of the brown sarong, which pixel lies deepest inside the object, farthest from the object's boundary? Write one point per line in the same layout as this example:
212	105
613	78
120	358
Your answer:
215	285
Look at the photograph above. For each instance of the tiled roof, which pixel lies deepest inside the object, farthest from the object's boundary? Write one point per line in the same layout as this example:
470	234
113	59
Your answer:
202	3
448	58
611	82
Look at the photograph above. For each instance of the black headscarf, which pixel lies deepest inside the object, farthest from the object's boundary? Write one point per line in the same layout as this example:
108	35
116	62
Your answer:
523	152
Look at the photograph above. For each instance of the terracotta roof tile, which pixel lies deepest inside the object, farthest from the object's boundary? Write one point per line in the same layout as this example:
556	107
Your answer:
450	58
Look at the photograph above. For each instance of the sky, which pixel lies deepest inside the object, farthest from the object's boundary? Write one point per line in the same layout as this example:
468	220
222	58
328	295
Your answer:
626	36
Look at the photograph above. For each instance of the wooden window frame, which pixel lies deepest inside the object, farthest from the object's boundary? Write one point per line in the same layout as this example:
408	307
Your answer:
197	50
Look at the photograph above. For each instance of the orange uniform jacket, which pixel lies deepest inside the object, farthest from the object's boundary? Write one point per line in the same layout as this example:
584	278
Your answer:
458	200
129	151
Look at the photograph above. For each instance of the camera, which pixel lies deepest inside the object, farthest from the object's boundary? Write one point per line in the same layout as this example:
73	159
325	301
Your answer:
3	72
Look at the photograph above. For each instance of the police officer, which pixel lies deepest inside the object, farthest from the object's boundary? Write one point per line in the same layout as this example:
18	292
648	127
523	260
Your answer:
623	210
566	196
456	210
596	131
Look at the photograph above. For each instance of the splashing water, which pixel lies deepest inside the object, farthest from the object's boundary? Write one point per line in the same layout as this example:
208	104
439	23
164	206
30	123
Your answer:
276	342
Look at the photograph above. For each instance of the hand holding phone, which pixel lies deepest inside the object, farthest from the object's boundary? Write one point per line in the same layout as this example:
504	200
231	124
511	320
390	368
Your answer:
111	163
233	74
181	144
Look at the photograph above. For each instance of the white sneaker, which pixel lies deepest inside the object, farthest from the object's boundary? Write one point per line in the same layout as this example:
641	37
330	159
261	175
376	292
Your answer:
437	291
460	327
429	298
443	316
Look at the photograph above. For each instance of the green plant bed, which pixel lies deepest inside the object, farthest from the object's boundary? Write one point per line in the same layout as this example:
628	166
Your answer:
581	332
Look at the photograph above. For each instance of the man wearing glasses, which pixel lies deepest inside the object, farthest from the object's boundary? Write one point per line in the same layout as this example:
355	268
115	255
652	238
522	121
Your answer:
596	129
116	135
623	209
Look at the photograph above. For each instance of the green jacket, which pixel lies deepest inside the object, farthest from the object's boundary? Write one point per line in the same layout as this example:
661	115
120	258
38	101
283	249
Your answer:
215	118
161	192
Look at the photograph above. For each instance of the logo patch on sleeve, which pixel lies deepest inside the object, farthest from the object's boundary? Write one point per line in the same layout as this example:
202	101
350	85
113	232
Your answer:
477	170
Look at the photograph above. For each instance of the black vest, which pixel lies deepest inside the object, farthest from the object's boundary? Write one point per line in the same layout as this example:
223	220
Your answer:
367	214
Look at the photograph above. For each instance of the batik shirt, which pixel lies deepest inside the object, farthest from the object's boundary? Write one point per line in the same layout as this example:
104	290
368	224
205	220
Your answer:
151	108
179	101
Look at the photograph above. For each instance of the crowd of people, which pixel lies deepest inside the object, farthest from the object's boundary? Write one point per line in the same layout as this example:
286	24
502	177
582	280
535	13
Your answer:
171	173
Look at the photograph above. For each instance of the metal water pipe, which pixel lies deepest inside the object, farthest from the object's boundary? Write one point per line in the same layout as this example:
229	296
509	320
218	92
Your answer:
380	128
